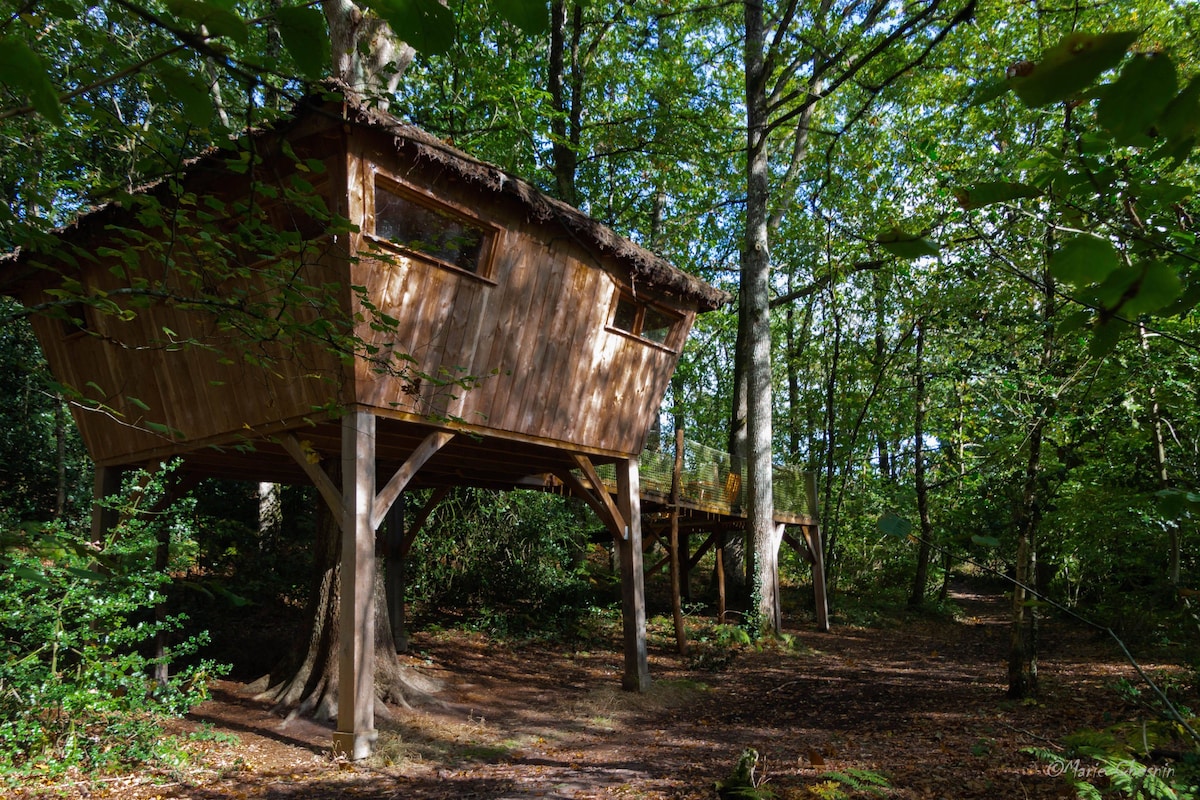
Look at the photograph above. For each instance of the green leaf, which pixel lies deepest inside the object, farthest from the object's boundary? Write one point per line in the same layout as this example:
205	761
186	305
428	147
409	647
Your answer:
1131	105
987	91
988	192
1075	321
1181	117
426	25
304	34
1188	300
1105	338
136	402
22	70
1069	67
219	19
985	541
1112	291
1180	123
87	574
531	16
906	245
1159	287
190	91
1084	260
31	575
893	524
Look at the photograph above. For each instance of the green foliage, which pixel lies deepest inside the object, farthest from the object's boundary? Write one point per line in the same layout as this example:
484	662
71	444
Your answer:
838	784
1117	774
514	562
77	624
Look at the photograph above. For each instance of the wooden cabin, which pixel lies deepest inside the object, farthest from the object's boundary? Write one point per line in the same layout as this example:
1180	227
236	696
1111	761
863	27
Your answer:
372	298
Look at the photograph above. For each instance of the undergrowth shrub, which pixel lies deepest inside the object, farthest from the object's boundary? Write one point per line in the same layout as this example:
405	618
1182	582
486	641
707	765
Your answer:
78	625
513	562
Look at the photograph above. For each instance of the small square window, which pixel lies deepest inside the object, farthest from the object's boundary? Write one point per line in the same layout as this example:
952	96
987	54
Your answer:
431	231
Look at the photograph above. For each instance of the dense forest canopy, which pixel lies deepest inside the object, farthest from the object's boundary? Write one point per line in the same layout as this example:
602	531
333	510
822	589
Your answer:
982	222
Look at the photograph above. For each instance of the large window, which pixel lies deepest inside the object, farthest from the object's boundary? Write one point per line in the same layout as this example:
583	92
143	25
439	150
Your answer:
403	220
644	320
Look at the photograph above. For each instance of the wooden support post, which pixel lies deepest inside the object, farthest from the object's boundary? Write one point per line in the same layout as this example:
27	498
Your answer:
720	538
812	535
778	604
676	600
356	636
633	590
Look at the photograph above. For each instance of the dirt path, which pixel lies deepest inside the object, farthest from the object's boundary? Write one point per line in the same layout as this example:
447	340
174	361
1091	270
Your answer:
920	707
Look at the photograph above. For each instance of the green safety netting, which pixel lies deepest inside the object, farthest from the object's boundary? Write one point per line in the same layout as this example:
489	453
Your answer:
708	477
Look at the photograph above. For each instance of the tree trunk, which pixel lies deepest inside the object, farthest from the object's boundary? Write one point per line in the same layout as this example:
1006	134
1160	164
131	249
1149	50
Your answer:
1160	464
917	596
60	457
1022	657
367	57
310	685
765	535
565	97
882	444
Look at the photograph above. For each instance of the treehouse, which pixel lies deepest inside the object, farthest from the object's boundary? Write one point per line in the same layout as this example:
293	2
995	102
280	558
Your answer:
347	300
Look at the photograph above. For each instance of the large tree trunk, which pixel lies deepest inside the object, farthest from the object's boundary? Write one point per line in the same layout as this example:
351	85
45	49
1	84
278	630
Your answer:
566	90
764	534
367	56
1160	465
309	685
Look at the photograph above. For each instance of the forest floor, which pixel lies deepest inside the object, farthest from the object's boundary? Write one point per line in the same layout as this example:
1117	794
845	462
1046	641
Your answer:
912	708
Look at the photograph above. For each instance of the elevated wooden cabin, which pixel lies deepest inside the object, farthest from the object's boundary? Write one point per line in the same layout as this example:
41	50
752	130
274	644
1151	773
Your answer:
461	329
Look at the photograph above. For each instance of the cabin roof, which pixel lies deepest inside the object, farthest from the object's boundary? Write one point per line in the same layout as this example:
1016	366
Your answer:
644	265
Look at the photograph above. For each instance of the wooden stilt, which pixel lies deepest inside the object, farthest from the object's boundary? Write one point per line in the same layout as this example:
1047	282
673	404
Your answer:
356	657
778	604
633	590
720	579
676	599
812	537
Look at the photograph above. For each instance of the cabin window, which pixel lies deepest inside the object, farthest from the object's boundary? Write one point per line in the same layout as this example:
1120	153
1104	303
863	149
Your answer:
438	233
644	320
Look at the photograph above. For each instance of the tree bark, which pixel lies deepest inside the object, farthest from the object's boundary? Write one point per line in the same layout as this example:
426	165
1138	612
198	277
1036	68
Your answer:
755	310
1022	657
924	551
309	684
565	96
1160	465
366	54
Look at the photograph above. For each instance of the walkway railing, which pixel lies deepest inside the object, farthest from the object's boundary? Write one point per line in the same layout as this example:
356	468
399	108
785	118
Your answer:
709	480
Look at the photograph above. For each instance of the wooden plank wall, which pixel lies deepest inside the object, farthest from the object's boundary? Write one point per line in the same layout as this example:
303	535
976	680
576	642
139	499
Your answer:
207	391
534	332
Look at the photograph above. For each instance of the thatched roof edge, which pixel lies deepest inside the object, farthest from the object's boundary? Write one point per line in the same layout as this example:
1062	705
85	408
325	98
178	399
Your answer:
644	266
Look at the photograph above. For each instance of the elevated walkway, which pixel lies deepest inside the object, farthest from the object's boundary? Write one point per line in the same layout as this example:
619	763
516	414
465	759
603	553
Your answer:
711	502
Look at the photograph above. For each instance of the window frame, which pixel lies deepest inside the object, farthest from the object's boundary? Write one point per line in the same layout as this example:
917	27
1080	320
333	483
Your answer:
669	341
489	232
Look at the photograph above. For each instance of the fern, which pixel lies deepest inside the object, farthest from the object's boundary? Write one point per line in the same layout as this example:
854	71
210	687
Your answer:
861	780
1125	776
